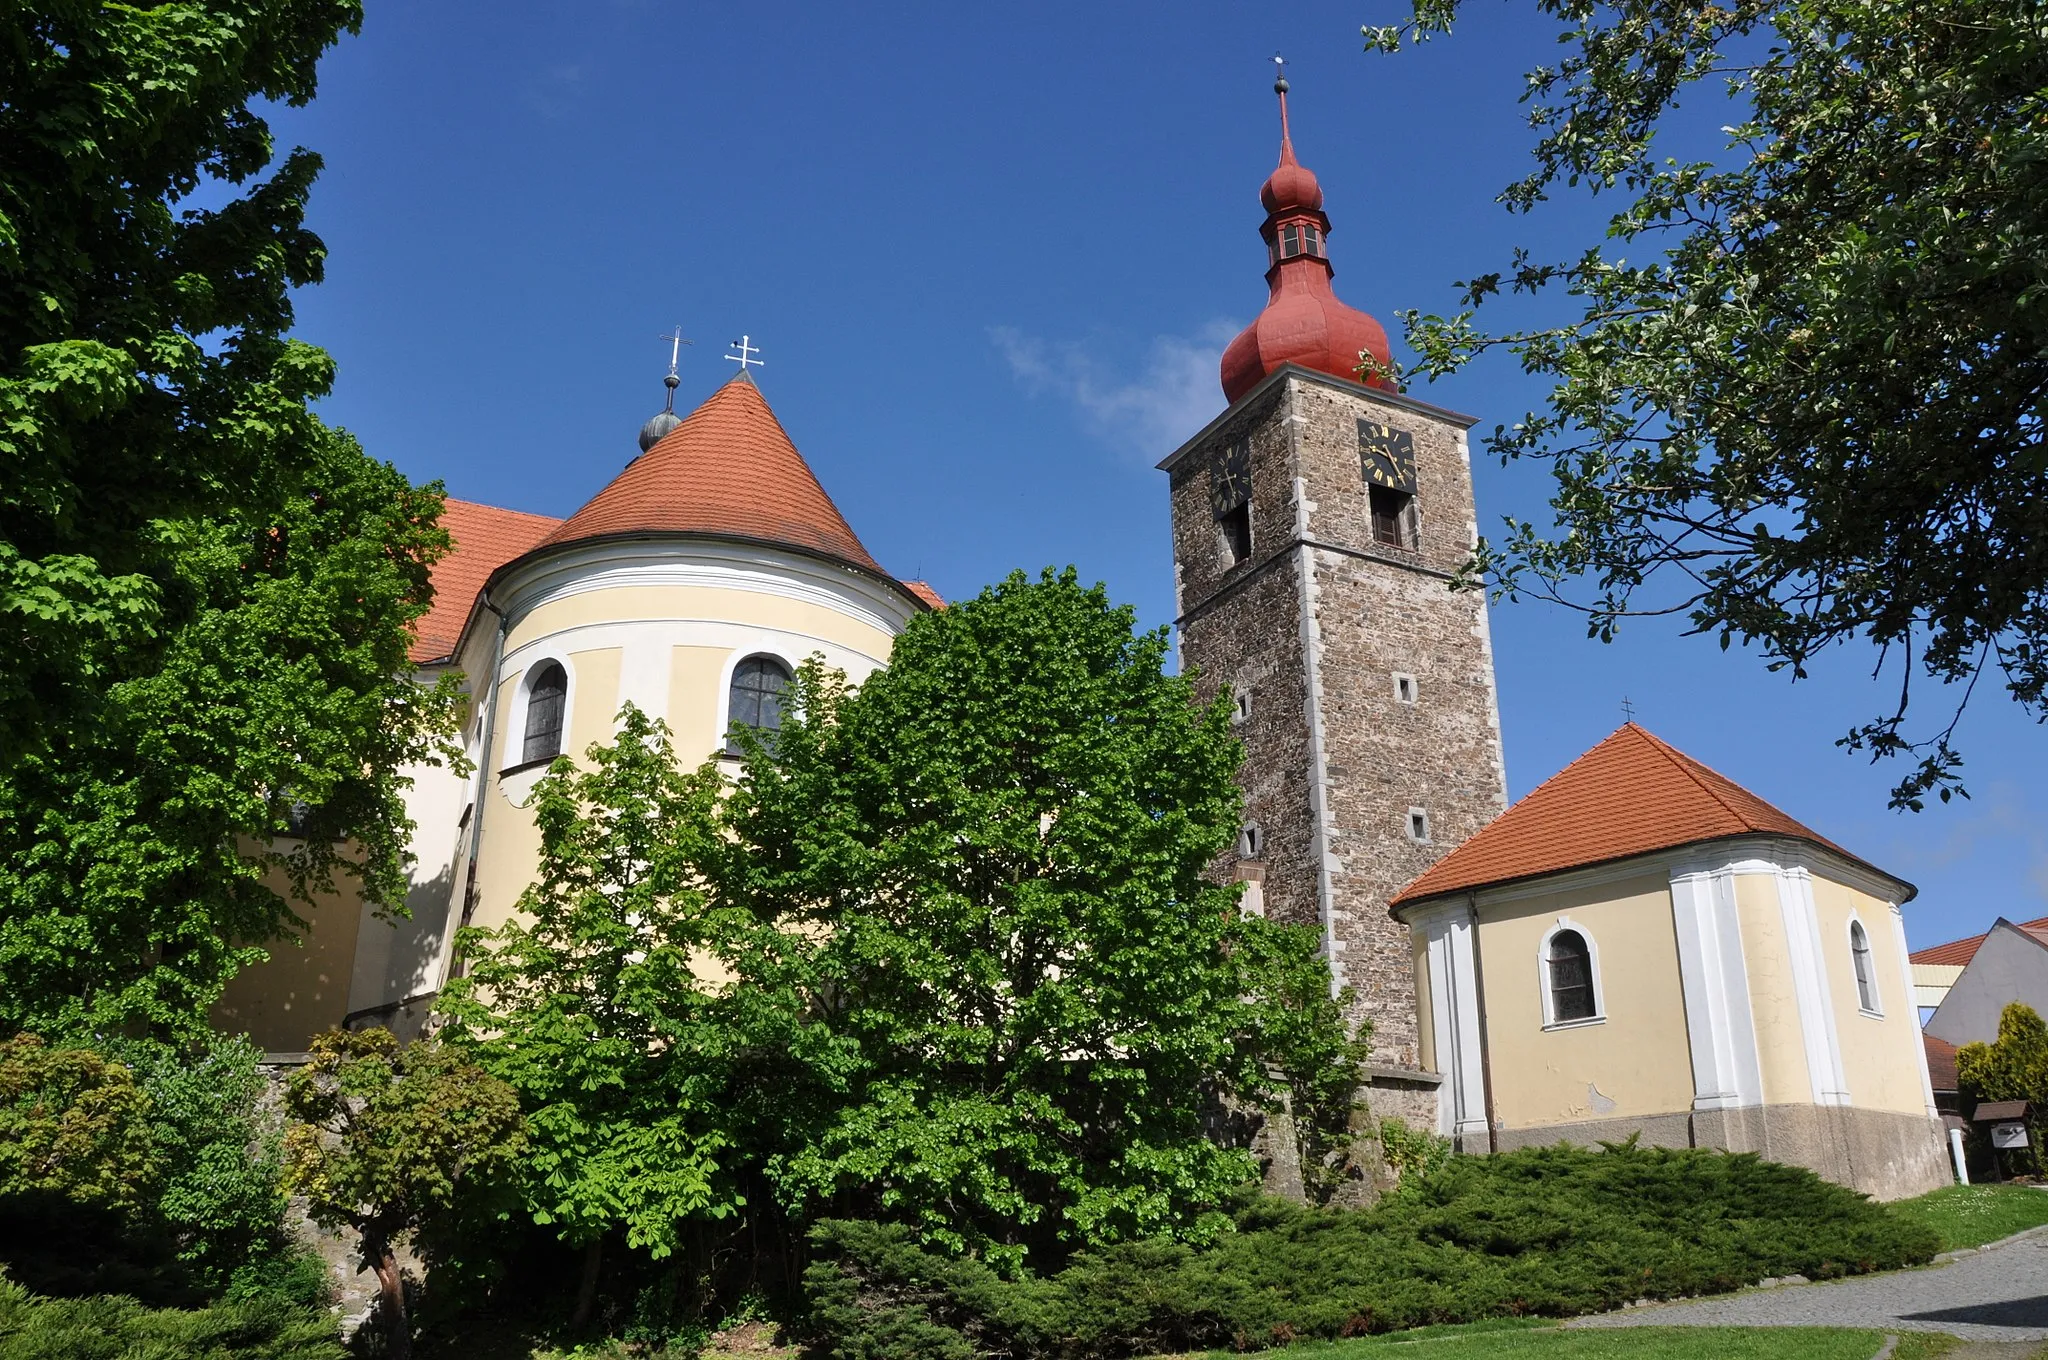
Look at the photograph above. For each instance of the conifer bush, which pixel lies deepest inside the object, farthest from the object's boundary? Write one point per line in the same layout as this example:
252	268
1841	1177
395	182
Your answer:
1551	1232
111	1327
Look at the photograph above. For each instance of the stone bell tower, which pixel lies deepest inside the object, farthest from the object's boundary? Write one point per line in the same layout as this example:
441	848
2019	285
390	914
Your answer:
1317	524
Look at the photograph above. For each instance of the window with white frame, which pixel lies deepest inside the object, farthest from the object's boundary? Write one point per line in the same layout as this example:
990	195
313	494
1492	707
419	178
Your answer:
1866	972
1571	978
547	694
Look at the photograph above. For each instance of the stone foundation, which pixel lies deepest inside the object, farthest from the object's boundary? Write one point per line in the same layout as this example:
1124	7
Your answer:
1883	1154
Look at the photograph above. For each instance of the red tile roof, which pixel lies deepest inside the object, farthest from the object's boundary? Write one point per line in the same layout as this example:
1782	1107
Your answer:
1941	1062
486	538
1958	953
729	470
1629	795
923	590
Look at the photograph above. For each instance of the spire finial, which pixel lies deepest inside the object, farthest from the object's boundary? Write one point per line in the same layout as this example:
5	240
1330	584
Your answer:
675	354
1280	88
747	350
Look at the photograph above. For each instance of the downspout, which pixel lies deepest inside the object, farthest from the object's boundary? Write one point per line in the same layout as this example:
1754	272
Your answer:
1485	1048
489	699
1319	801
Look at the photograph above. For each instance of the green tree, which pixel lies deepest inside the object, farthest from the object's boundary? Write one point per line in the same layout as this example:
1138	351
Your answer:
74	1124
144	377
205	594
220	1198
1808	408
588	1004
2014	1067
384	1141
1017	996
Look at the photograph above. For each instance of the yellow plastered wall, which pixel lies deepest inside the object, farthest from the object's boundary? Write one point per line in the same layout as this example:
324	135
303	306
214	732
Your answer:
1881	1055
511	843
303	987
1773	996
1638	1061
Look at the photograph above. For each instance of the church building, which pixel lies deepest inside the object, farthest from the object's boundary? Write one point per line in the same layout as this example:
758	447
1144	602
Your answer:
1640	946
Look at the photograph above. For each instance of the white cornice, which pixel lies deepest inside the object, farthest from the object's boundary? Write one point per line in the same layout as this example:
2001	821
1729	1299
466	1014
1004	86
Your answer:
1741	854
706	563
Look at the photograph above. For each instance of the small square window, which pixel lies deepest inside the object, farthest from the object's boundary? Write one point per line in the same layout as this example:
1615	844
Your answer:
1240	704
1250	842
1418	825
1404	688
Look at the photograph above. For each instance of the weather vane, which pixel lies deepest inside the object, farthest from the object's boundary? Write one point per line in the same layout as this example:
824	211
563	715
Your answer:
1279	71
747	350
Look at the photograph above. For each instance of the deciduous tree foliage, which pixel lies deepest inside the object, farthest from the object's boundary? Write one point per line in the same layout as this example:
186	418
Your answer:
204	593
588	1005
383	1139
73	1124
1020	998
1805	406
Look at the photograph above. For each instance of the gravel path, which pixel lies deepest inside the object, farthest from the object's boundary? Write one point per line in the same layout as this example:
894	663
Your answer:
2000	1294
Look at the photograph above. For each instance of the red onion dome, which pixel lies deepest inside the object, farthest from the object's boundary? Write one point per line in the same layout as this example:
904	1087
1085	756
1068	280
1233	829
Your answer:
1304	323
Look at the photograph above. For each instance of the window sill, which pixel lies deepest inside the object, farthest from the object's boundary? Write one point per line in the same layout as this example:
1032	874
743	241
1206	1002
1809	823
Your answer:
523	766
1869	1014
1575	1024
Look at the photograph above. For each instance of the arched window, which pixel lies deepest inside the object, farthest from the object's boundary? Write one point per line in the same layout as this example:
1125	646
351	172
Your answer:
547	692
1571	978
1866	976
759	685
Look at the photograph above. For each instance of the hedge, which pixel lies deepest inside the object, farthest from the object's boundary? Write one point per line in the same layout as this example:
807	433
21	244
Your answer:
1545	1232
113	1327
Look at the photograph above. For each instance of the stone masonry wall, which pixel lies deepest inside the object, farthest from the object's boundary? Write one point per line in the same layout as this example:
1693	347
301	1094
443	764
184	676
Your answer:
1374	611
1379	611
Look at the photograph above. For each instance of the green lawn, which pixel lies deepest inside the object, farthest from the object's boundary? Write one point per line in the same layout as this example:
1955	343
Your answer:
1484	1342
1971	1215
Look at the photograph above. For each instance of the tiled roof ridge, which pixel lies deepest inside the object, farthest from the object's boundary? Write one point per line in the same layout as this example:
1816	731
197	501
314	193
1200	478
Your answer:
1974	941
729	470
500	509
1690	768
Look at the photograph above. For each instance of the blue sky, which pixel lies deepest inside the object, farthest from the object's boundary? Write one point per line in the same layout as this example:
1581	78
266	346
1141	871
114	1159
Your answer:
991	255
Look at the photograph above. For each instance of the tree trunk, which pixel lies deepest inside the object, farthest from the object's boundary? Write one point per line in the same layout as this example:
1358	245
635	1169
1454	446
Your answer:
391	1290
586	1293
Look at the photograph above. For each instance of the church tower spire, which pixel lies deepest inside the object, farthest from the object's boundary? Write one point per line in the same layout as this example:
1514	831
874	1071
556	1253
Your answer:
1303	322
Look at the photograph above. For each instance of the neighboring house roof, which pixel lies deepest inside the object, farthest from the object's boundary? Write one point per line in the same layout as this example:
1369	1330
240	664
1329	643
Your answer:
1958	953
728	470
486	538
1941	1062
1630	795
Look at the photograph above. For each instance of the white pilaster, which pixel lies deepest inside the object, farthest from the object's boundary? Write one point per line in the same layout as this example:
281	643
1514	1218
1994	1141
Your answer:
1726	1072
1906	977
1454	1017
1810	986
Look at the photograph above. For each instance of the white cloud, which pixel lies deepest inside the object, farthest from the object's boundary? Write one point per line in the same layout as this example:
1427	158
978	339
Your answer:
1173	393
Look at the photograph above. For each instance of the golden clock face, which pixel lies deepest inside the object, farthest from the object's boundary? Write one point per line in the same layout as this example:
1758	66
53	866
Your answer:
1230	476
1387	456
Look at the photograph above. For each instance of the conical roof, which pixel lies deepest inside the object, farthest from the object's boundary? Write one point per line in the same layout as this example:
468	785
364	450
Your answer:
728	471
1630	795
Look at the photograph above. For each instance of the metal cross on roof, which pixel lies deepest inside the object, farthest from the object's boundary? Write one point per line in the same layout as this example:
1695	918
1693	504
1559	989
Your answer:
747	350
1628	710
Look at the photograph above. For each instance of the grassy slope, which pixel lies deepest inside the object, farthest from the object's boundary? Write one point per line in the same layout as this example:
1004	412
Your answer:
1971	1215
1485	1342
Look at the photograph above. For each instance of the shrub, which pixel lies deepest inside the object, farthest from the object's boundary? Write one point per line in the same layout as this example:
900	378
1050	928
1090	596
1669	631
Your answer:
110	1327
1549	1232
